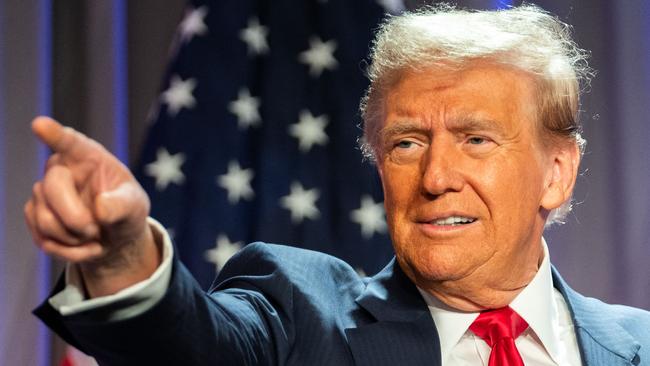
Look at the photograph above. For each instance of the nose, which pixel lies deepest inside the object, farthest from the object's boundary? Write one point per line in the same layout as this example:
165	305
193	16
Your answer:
442	169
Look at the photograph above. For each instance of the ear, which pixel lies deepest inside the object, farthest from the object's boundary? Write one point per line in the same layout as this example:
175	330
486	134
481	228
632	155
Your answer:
562	176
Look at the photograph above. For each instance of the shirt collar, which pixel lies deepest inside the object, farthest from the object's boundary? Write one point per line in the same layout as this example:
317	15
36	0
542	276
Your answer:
534	303
451	323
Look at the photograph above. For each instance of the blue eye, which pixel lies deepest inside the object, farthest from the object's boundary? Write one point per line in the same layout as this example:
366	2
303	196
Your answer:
476	140
404	144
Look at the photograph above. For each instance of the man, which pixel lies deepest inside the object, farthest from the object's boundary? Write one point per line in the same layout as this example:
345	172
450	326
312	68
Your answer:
471	118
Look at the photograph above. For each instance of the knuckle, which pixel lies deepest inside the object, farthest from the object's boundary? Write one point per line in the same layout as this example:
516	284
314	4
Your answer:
52	161
76	219
54	174
44	220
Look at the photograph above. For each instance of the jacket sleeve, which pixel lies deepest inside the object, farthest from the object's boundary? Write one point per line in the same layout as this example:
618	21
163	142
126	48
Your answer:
246	320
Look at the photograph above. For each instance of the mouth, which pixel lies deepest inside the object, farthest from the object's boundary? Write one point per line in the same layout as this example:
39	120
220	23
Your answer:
452	221
447	224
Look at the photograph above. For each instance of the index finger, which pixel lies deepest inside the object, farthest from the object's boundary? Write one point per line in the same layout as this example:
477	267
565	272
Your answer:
60	139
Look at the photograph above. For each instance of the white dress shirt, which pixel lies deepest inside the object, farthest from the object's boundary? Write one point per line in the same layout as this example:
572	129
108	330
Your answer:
137	298
549	339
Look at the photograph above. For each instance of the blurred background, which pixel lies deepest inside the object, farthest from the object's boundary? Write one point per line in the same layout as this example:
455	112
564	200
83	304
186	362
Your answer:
240	119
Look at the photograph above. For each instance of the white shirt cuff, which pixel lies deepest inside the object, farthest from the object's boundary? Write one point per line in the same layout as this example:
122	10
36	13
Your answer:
128	302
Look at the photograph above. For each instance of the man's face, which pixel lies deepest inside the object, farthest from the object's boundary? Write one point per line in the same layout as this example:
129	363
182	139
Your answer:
464	174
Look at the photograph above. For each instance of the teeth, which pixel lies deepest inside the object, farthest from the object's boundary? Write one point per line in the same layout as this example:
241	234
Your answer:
454	220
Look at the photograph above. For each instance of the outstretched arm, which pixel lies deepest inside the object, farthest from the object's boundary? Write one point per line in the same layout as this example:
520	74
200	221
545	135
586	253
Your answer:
90	211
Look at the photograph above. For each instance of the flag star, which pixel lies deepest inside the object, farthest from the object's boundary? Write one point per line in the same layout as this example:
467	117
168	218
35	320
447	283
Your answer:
194	24
166	169
237	182
255	37
309	130
392	6
301	203
224	249
370	216
319	56
246	108
179	95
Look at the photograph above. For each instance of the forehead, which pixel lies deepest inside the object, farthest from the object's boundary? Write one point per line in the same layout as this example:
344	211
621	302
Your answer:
479	91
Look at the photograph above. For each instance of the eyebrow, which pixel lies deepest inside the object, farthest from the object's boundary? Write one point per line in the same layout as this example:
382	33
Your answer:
470	122
464	122
401	127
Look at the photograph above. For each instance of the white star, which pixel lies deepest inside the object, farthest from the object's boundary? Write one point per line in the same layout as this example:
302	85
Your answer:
237	182
255	37
220	254
319	56
246	109
370	216
301	203
392	6
179	95
166	169
309	130
193	24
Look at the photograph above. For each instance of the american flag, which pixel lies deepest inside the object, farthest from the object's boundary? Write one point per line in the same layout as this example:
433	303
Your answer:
255	133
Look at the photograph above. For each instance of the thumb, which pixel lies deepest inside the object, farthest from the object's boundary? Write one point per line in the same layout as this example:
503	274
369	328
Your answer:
127	202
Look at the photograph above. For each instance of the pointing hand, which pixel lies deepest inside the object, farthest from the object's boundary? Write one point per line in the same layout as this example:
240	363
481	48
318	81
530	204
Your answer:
89	209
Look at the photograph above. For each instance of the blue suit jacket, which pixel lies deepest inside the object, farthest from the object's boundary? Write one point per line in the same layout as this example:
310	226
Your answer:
277	305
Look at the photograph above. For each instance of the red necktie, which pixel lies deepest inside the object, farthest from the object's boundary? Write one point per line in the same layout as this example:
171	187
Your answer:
499	328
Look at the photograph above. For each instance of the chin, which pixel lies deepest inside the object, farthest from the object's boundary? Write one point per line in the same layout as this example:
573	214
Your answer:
435	264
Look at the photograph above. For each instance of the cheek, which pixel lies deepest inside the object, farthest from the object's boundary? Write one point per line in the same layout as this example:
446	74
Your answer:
512	172
400	190
400	186
511	189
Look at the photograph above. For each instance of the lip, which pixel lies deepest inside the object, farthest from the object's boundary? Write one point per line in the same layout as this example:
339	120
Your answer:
425	224
432	230
427	218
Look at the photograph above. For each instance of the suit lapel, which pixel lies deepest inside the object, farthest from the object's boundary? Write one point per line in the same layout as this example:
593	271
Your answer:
601	339
403	333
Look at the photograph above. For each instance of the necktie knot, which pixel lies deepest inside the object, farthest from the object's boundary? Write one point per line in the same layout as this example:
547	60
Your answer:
499	328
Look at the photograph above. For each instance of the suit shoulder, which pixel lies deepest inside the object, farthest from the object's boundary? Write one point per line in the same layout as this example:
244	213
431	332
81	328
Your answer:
617	311
634	320
284	255
291	263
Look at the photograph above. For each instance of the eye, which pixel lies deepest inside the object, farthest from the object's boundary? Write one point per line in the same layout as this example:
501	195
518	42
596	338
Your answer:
475	140
404	144
406	150
478	145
